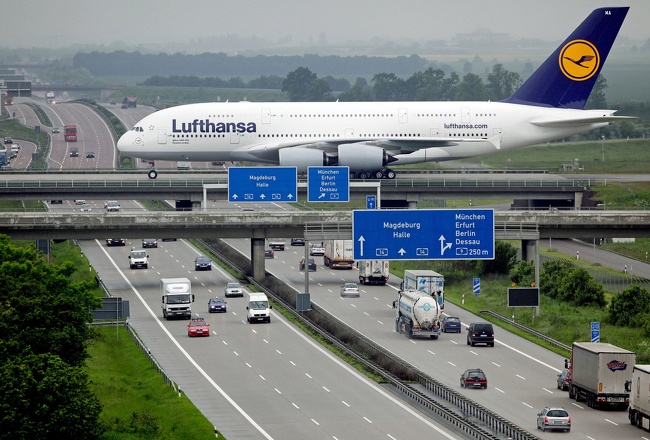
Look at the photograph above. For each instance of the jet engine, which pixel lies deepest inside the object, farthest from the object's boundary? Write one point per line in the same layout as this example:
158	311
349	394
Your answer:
363	157
302	158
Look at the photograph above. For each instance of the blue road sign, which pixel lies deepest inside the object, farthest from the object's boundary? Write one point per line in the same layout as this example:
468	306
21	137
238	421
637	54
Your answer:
262	184
328	184
477	286
423	234
595	332
371	202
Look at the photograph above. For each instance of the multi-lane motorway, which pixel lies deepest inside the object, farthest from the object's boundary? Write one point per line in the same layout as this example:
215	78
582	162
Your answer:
269	381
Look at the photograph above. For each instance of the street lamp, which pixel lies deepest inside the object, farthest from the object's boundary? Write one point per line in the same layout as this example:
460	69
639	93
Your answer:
602	148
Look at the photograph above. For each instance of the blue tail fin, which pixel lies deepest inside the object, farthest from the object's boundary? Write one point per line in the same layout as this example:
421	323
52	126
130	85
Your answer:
567	77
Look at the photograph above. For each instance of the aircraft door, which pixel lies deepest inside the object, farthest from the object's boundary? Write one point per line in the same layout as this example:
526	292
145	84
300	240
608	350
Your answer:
234	137
162	136
465	115
435	132
266	116
403	115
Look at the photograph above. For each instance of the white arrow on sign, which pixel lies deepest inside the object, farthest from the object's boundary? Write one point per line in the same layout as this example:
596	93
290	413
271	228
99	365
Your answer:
234	196
361	240
262	196
290	196
321	196
401	252
443	246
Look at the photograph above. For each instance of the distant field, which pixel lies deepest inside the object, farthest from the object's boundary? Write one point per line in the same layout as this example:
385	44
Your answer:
631	156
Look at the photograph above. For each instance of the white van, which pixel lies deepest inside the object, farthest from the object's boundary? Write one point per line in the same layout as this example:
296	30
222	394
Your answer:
258	308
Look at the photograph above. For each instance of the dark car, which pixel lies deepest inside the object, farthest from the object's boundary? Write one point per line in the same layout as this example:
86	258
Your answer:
554	418
55	130
169	239
74	152
269	253
451	324
480	333
563	381
300	241
116	242
473	378
202	263
149	243
217	305
312	265
90	155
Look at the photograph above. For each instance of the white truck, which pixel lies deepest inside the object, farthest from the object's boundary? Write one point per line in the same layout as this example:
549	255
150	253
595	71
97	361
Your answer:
138	258
418	314
177	298
639	409
339	254
426	281
258	308
373	271
600	374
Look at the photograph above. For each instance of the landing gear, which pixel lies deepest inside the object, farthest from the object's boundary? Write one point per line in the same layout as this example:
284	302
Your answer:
152	170
386	173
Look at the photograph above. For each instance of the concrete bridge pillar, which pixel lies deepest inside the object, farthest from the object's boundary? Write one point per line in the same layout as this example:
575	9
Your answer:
257	259
528	250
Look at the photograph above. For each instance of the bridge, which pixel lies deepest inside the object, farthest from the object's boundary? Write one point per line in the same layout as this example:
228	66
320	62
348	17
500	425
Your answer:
538	190
527	226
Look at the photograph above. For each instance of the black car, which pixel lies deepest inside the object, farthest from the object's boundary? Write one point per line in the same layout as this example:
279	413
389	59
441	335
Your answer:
312	265
74	152
149	243
116	242
480	333
217	305
90	155
202	263
269	253
299	241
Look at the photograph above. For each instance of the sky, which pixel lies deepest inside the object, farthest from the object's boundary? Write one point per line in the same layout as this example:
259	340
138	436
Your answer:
64	23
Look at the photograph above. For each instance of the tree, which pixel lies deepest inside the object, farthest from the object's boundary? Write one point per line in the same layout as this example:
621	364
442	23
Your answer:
505	257
303	85
597	98
360	91
523	273
579	288
471	88
44	334
388	87
502	83
628	305
553	272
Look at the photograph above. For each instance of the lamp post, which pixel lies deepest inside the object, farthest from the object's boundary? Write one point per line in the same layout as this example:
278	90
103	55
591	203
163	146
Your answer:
602	148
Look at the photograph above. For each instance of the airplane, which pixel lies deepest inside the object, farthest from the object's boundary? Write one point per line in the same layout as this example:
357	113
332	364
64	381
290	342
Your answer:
369	136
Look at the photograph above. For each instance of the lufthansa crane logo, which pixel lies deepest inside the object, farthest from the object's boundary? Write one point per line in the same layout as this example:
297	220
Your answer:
579	60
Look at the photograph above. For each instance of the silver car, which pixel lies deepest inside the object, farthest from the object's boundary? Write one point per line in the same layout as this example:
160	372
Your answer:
350	289
554	418
233	289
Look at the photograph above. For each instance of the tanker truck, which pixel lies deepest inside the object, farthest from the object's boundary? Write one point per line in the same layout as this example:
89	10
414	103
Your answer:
418	314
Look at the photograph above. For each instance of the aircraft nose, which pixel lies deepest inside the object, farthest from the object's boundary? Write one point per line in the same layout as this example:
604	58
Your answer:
126	142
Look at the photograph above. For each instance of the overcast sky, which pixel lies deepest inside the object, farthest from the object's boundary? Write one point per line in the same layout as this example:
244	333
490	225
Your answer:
35	23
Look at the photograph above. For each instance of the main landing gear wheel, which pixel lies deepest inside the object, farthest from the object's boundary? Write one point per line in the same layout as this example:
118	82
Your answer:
152	174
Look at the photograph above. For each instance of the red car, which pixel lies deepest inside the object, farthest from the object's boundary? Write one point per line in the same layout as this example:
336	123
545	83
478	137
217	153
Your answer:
474	378
198	327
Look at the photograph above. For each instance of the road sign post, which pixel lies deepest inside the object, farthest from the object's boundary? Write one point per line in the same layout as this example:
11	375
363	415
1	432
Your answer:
595	332
262	184
328	184
423	234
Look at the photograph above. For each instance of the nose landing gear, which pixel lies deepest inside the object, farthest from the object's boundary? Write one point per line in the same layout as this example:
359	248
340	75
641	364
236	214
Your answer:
152	170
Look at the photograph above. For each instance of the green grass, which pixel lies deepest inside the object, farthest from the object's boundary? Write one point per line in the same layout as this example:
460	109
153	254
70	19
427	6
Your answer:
137	403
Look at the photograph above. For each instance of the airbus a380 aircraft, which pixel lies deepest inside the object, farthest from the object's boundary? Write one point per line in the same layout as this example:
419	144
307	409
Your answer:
368	136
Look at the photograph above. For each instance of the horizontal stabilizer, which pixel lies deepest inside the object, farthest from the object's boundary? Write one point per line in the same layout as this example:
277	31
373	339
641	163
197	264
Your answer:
586	119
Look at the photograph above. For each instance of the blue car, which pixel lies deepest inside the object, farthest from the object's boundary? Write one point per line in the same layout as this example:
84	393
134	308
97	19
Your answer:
451	324
216	305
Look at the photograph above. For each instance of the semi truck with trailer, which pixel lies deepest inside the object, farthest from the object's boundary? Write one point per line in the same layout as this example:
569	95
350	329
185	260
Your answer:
130	102
426	281
177	298
339	254
639	409
373	271
417	314
600	374
70	133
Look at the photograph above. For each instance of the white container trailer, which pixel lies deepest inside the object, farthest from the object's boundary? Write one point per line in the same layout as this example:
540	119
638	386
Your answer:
639	409
600	374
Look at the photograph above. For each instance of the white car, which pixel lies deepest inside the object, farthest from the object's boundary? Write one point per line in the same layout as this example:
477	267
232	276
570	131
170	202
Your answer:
316	249
111	205
350	289
233	289
85	207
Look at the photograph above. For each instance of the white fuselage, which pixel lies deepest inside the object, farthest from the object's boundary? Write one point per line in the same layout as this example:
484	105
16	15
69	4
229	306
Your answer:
410	132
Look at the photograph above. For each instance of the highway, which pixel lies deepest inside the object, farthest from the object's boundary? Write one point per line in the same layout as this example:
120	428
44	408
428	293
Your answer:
252	380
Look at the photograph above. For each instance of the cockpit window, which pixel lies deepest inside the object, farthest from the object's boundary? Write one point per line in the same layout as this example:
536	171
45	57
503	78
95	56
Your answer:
138	128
